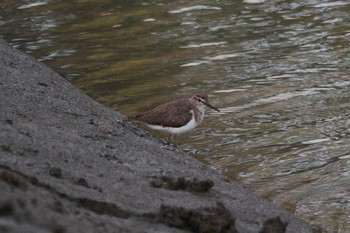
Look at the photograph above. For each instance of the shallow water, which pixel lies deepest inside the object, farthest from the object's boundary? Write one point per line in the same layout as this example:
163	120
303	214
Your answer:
278	70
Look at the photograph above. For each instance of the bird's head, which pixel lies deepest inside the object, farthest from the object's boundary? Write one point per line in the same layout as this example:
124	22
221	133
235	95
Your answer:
201	100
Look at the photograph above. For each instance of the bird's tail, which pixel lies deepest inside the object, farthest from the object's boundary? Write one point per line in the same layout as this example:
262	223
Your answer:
135	117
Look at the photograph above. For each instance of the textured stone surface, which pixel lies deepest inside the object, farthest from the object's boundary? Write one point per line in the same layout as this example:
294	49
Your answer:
68	164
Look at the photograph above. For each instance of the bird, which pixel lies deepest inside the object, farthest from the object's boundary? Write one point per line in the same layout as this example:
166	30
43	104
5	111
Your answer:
176	117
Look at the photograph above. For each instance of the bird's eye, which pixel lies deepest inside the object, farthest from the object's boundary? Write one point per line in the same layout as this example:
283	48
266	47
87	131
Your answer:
200	100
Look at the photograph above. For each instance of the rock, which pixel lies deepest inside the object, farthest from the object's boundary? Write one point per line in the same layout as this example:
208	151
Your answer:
182	183
55	172
274	225
215	219
90	171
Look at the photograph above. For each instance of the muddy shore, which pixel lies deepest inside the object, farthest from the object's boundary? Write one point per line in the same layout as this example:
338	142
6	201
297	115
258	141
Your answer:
68	164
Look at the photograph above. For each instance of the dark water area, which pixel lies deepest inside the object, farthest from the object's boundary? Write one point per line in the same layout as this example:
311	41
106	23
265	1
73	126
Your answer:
278	71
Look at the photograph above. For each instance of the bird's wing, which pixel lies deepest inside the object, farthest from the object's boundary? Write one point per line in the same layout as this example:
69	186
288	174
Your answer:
167	115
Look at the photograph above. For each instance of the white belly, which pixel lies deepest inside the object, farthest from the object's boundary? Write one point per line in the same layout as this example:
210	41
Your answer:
177	130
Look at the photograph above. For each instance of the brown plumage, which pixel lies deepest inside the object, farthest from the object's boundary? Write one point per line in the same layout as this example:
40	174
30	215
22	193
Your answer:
173	114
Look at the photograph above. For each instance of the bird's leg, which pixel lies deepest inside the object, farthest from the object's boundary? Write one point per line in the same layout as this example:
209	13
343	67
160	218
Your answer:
175	141
175	144
168	139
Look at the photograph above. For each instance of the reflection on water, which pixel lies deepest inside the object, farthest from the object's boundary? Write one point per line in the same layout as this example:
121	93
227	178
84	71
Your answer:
279	71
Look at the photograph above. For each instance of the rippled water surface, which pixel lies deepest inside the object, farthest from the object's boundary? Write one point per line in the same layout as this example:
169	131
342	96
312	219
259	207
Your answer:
277	69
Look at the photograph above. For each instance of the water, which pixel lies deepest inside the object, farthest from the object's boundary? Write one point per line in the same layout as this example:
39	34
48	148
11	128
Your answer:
278	70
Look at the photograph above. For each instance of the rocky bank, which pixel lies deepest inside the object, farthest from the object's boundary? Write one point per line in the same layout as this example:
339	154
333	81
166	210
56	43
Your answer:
69	165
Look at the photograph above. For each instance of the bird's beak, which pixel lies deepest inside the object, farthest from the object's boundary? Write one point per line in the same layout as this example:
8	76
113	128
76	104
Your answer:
211	106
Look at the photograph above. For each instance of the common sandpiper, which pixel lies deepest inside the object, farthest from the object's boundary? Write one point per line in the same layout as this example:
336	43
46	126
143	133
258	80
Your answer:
178	116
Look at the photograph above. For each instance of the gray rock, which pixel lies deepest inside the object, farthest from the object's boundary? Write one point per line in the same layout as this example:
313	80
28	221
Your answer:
70	164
